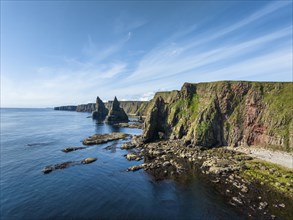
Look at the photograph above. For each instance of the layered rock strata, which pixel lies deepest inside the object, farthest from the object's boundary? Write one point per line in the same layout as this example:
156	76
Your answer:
224	113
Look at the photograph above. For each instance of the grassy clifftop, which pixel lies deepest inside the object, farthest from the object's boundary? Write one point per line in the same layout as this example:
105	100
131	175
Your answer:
225	113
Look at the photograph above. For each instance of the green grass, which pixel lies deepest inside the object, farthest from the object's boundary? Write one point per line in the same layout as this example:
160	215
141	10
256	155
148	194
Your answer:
270	174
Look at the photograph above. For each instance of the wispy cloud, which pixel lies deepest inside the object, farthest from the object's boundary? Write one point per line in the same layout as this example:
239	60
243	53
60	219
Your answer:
173	60
135	67
123	23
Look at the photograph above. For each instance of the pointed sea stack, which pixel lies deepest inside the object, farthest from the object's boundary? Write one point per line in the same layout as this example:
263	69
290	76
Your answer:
116	113
101	111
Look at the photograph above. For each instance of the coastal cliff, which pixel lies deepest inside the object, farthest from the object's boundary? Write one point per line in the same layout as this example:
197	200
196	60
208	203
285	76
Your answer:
227	113
90	107
66	108
138	108
131	107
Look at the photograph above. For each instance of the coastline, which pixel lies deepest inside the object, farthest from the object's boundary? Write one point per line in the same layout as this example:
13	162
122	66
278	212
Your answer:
282	158
258	189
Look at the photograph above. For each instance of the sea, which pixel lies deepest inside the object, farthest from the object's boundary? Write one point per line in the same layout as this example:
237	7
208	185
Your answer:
32	139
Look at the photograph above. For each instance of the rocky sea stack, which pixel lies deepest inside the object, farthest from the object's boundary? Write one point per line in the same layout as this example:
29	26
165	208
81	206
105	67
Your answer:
101	111
116	113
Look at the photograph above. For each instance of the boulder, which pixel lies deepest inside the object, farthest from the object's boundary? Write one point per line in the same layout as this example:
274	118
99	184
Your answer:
88	160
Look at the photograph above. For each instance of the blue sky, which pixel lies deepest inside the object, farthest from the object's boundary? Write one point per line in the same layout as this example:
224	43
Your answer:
61	52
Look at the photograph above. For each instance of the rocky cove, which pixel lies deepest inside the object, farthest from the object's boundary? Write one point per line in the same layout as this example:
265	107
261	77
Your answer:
187	131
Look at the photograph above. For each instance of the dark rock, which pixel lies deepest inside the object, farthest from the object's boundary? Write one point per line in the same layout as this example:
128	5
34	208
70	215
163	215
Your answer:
49	169
116	113
155	125
101	111
69	149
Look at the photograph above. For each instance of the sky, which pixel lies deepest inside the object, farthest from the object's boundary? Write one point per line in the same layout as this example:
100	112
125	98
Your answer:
69	52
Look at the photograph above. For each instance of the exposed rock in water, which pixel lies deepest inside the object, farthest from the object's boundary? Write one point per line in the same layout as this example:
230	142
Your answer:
49	169
128	125
224	113
134	156
104	138
101	111
69	149
116	113
88	160
128	146
235	175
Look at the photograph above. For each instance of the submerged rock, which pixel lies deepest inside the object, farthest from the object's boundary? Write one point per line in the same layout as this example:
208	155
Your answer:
116	113
104	138
69	149
50	168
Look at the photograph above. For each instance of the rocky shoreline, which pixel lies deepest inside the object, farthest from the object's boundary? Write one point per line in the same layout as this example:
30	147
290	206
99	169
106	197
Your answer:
235	175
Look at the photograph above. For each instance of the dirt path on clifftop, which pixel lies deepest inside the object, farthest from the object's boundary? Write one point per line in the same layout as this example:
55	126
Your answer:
282	158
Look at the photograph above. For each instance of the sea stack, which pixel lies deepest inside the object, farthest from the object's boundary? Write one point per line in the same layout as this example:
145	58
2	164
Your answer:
101	111
116	114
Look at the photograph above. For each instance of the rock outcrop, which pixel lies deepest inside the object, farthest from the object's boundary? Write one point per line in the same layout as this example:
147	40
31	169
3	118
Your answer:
104	138
224	113
116	113
101	111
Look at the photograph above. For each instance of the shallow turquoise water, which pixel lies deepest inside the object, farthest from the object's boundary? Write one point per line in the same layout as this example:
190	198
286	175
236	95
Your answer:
101	190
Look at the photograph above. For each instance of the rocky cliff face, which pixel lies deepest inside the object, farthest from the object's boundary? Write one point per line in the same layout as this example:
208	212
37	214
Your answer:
224	113
66	108
116	113
101	111
130	107
90	107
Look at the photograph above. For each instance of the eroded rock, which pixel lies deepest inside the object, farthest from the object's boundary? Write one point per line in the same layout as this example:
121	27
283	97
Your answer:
116	113
104	138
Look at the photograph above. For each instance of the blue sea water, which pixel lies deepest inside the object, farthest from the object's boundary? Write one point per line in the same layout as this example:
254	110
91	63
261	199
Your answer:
33	138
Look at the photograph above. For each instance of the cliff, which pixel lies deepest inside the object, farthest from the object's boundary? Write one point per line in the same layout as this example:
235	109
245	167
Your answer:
130	107
90	107
66	108
224	113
